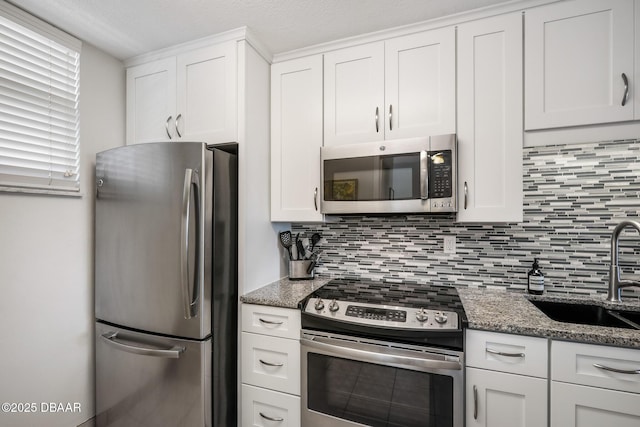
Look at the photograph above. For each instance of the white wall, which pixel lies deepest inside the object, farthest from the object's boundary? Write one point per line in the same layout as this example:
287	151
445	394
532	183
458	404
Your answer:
260	258
46	269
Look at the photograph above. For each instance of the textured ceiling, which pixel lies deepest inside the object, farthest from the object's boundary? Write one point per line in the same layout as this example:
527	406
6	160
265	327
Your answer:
126	28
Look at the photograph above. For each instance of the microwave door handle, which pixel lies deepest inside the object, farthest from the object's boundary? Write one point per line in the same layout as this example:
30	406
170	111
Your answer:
424	175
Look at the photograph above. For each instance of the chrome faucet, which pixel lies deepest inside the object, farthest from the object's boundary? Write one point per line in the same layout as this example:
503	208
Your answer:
615	283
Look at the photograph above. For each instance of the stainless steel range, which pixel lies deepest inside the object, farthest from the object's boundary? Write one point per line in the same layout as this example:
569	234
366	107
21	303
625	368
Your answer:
382	354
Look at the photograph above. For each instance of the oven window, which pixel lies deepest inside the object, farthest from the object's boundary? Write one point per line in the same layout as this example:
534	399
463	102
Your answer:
377	395
393	177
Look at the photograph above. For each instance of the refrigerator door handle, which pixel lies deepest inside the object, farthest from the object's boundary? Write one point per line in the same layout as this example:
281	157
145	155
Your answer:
171	353
191	180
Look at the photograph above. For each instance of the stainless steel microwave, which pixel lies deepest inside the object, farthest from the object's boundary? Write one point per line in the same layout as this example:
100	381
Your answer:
416	175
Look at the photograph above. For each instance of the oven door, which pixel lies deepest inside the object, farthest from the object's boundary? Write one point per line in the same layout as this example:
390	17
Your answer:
349	381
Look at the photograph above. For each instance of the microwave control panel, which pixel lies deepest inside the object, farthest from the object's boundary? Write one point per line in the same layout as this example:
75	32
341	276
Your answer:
440	174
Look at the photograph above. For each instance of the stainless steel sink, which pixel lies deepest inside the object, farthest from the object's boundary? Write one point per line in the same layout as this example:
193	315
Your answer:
588	314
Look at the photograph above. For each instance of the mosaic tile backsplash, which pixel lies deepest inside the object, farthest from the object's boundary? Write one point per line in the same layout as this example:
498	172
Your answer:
574	195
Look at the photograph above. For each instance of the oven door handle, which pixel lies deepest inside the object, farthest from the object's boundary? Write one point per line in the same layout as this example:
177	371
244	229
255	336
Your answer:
364	353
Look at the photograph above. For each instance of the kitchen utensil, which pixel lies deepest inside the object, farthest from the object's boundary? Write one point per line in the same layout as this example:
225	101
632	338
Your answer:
315	238
310	268
285	241
300	248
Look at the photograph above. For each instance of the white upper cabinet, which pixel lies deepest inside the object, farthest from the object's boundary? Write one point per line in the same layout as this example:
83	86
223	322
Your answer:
296	138
490	134
188	97
354	94
579	63
207	94
399	88
151	100
420	89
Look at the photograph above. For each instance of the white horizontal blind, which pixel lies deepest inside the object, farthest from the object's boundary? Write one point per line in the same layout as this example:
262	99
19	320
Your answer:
39	120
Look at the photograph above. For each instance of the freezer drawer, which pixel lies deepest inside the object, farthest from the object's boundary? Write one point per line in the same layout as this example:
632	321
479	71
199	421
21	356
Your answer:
146	380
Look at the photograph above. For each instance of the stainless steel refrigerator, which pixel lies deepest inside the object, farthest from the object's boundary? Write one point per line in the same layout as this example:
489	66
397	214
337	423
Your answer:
166	285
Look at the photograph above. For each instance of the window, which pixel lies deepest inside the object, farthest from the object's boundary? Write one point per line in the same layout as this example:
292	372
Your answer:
39	120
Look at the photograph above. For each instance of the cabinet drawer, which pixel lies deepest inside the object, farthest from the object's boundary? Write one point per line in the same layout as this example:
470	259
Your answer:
515	354
271	362
262	407
576	363
275	321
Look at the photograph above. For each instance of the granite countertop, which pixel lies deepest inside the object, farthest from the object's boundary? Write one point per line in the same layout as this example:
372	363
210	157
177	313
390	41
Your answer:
511	312
284	292
494	310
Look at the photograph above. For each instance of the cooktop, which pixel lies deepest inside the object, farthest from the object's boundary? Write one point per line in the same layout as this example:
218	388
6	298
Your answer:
403	312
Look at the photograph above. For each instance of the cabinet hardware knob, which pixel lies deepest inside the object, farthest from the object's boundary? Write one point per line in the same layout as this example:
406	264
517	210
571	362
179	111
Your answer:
619	371
177	123
266	417
315	198
166	126
269	322
270	363
466	194
625	97
475	402
501	353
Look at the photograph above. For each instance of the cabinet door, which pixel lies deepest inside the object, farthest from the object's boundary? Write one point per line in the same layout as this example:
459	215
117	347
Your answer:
296	138
207	94
420	91
575	55
354	94
151	101
496	399
581	406
490	134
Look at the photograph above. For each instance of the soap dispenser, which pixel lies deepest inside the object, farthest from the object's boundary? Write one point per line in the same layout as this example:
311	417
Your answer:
535	279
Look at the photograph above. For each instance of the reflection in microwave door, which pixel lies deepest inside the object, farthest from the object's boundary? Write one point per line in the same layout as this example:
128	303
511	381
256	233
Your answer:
341	189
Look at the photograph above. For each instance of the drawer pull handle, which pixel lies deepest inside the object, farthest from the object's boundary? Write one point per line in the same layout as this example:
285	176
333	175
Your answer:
269	322
619	371
270	364
625	97
266	417
475	402
501	353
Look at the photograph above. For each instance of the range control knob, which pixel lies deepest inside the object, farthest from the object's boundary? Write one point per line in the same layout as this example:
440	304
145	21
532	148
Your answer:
319	304
333	306
422	315
441	318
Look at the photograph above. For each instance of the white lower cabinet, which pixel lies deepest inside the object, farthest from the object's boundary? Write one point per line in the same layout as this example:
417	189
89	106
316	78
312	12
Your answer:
594	386
514	380
266	408
271	362
582	406
498	399
506	379
270	366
